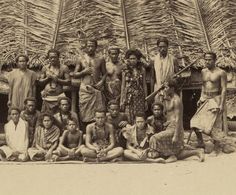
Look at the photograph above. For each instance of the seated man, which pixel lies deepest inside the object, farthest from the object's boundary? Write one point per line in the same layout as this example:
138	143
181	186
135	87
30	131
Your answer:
169	144
64	113
16	132
157	119
138	137
45	140
70	144
100	141
118	120
31	115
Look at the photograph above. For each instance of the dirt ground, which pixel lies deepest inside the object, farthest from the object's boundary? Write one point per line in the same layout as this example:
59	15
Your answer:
215	176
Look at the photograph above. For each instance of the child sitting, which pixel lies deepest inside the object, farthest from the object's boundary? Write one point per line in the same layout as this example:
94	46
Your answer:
46	139
70	142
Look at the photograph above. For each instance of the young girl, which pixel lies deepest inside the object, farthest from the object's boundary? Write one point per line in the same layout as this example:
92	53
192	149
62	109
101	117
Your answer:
45	140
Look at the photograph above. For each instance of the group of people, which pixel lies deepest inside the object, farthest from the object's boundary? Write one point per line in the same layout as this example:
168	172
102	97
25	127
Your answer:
111	122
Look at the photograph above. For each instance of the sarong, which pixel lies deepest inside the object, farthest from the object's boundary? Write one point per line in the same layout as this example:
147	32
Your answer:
90	100
162	142
207	118
44	139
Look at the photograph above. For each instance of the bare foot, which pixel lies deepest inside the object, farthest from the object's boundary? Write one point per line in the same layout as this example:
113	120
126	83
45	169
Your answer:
144	154
171	159
86	159
156	160
201	155
118	159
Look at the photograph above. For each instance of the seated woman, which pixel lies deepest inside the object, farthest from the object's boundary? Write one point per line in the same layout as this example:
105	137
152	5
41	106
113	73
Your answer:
70	143
16	132
45	139
138	137
157	119
169	143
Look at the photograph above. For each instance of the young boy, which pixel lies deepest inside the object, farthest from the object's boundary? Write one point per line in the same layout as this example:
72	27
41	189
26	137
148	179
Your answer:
138	137
70	142
46	139
16	132
157	120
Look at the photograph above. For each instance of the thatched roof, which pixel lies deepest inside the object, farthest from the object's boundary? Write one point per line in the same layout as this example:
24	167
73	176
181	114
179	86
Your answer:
34	26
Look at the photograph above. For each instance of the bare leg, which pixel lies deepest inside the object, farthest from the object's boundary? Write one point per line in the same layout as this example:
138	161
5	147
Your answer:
131	155
199	138
87	153
188	153
78	151
156	160
112	154
2	156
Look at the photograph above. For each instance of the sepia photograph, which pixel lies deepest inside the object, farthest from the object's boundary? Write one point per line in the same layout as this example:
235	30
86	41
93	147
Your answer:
117	97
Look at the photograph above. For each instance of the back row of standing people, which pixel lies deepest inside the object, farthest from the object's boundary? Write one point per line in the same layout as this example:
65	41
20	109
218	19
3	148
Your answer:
100	80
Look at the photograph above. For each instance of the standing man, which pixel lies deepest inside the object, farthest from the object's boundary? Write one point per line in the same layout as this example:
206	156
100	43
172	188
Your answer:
91	70
209	116
21	83
165	66
54	76
114	75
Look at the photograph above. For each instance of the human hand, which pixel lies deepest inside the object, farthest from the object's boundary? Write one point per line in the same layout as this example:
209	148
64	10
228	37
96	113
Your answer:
199	102
221	108
88	70
9	103
123	124
72	74
175	139
71	153
48	156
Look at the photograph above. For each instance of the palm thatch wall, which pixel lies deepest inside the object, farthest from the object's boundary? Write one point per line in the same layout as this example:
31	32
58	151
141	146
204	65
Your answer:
192	26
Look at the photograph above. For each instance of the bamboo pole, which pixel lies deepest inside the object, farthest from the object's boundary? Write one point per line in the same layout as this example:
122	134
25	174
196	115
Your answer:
25	31
196	2
127	38
56	32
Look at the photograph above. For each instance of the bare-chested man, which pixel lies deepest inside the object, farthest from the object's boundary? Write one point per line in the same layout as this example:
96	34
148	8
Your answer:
64	113
169	143
54	76
100	141
91	70
114	74
209	116
119	120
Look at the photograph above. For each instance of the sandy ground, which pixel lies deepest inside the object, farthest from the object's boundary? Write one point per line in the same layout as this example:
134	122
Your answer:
189	177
